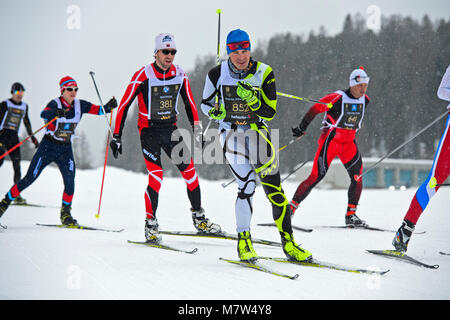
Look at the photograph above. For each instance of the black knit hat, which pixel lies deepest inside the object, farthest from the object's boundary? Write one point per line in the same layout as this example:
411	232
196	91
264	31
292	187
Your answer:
17	86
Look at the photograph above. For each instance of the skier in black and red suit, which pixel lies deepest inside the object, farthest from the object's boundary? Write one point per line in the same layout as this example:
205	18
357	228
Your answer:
158	87
342	120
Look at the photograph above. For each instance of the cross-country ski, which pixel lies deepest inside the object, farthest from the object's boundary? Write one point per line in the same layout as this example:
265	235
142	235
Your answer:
79	227
162	246
401	256
260	267
323	264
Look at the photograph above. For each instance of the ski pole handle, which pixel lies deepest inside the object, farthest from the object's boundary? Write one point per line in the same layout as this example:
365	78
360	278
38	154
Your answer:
20	143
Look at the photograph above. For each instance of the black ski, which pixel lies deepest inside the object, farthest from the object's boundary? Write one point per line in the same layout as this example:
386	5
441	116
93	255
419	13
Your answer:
271	224
366	227
32	205
220	235
162	246
394	254
444	253
322	264
80	227
258	266
3	226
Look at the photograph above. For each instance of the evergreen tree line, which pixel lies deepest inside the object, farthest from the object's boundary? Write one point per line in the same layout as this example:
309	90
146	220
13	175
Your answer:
405	60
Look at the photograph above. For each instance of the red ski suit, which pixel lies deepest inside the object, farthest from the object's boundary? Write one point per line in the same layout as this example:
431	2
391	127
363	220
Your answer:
341	122
157	92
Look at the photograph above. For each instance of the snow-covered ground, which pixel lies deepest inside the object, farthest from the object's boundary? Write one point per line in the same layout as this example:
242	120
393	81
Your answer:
51	263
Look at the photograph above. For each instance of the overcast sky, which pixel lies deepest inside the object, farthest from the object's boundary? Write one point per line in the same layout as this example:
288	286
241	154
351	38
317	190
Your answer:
44	40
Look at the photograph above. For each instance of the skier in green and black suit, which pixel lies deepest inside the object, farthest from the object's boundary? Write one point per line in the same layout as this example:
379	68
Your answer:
247	99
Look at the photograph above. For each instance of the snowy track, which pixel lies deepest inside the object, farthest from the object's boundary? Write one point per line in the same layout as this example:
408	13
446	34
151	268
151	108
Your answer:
52	263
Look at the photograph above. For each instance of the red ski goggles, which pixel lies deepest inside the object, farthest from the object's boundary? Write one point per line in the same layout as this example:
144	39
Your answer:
243	45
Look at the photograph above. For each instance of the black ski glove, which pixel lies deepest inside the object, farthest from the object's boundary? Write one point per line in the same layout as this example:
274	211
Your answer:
116	145
111	104
35	141
298	132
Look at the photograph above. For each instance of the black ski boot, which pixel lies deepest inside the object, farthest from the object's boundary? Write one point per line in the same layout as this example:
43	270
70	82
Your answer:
203	224
404	233
66	217
351	219
20	201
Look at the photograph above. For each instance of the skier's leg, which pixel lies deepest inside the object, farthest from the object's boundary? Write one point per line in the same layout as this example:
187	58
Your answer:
324	156
268	169
39	161
351	158
173	143
15	158
238	160
66	165
439	172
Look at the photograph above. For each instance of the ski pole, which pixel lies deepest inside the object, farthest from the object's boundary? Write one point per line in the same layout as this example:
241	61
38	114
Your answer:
104	170
328	104
226	184
218	11
298	167
402	145
92	73
20	143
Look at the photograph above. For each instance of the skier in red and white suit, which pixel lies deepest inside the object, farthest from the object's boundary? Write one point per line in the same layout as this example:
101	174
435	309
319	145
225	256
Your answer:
158	87
439	172
343	116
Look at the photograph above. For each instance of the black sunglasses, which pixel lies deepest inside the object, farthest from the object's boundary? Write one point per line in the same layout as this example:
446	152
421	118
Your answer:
72	89
166	52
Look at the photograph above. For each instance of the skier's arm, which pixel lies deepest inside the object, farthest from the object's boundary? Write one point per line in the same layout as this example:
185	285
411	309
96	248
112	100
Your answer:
318	108
189	103
130	93
49	111
262	102
27	123
87	107
210	90
444	88
267	106
3	109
